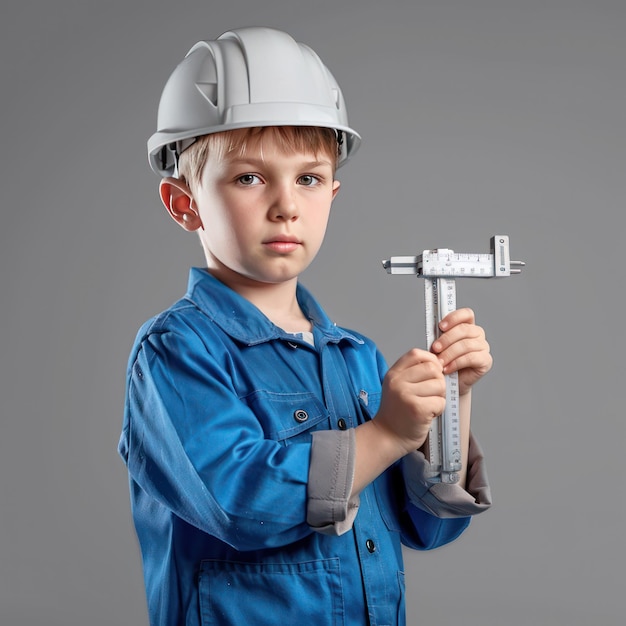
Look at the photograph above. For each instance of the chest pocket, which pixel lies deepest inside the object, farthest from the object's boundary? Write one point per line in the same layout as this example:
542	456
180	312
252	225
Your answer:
369	403
288	417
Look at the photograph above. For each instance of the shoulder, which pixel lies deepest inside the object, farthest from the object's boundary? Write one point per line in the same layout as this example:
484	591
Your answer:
182	328
177	318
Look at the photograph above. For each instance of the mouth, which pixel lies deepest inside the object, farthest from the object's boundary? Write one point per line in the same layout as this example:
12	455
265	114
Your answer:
282	243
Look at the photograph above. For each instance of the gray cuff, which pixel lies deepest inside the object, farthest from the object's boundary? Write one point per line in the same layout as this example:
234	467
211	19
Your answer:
330	510
448	501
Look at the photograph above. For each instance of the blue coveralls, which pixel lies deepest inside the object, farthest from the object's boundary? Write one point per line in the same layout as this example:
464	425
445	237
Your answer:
220	409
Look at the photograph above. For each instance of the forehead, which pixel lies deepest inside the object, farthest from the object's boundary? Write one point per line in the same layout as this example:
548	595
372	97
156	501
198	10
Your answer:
286	140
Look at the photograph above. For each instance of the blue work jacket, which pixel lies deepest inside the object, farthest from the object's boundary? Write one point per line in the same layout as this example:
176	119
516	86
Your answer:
220	409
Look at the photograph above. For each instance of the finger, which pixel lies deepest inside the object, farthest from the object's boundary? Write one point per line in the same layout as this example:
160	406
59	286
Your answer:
431	406
459	316
434	387
461	353
413	357
480	362
463	346
410	379
457	334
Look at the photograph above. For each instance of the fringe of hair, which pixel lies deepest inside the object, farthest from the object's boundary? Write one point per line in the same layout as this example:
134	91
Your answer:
235	143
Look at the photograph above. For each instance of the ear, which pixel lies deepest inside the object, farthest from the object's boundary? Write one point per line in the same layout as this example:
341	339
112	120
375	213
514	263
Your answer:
180	204
336	185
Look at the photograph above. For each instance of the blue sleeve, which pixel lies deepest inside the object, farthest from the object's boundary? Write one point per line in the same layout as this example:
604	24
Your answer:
427	531
194	446
418	529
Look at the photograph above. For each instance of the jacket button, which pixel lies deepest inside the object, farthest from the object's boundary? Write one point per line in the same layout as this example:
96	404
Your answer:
341	424
370	545
301	415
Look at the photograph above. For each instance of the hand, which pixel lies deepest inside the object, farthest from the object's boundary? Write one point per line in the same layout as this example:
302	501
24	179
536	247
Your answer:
462	348
413	393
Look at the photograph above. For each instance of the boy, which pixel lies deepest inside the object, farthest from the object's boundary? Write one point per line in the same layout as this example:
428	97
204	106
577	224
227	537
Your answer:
273	459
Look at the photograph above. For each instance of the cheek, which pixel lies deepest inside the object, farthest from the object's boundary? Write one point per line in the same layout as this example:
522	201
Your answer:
324	225
217	218
318	229
324	218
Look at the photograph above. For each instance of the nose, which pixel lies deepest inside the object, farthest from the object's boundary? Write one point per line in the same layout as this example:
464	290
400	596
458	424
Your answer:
283	205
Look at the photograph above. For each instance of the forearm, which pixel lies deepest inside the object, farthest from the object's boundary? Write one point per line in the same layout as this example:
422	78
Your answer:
376	450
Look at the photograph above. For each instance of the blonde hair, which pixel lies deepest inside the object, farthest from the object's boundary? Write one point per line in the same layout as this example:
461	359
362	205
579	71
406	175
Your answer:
289	139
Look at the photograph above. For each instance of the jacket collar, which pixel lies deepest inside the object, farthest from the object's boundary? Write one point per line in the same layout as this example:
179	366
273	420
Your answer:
244	322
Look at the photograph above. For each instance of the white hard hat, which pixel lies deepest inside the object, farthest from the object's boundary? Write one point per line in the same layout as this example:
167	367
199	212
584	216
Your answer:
248	77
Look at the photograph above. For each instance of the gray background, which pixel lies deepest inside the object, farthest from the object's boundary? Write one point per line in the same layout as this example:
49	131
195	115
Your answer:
478	117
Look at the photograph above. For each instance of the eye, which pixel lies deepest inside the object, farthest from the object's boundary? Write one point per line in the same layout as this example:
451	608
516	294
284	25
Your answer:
308	180
248	179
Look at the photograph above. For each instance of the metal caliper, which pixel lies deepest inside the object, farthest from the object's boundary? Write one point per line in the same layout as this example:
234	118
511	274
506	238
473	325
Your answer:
440	268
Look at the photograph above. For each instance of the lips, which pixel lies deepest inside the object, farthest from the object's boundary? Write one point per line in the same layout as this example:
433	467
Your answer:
282	243
283	239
